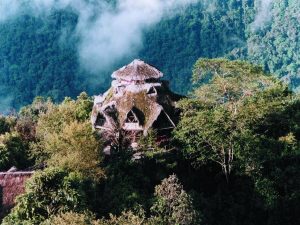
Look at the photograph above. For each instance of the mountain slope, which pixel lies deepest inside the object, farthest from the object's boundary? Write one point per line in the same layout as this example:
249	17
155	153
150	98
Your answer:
38	55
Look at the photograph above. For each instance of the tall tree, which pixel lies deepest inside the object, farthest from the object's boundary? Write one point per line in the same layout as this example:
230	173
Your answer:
215	125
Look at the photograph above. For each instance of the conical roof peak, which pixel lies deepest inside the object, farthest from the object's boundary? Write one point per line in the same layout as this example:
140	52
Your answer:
137	70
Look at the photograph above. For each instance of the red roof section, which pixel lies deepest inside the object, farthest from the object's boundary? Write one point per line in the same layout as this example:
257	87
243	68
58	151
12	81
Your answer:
12	185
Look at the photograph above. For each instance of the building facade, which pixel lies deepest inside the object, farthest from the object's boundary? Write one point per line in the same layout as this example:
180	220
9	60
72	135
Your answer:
137	102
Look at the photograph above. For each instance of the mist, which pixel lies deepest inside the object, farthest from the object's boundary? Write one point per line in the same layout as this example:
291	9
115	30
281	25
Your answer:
5	100
263	14
5	104
106	33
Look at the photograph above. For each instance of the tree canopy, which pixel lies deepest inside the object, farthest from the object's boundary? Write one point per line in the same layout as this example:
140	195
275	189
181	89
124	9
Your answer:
233	158
227	112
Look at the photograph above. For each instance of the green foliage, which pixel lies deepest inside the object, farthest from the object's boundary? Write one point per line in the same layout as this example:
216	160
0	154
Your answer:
126	187
4	125
275	45
172	204
226	110
245	121
278	185
126	218
57	116
38	57
204	29
26	129
76	148
47	193
148	144
240	118
65	138
39	106
230	82
70	144
84	103
13	152
69	218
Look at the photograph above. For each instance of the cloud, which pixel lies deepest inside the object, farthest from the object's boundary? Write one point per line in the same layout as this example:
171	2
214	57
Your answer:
263	14
117	32
106	33
8	9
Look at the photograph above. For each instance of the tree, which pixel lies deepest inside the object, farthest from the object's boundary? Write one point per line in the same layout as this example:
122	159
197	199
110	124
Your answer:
76	148
13	152
4	125
130	217
64	138
274	44
56	116
26	128
229	82
69	218
39	106
50	192
126	218
217	124
172	204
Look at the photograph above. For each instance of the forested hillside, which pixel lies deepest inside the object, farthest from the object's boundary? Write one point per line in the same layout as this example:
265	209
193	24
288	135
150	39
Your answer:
35	60
38	55
233	158
276	44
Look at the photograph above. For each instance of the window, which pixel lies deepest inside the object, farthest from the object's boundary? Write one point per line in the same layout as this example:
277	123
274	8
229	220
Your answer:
152	91
135	116
100	121
163	121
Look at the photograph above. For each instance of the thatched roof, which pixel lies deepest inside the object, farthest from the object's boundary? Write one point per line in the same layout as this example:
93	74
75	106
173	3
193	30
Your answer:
137	70
12	185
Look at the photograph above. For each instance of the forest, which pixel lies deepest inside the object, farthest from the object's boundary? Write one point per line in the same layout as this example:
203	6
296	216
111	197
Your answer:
232	159
38	55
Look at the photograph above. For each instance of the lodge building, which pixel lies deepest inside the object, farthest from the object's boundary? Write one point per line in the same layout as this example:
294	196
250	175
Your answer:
137	101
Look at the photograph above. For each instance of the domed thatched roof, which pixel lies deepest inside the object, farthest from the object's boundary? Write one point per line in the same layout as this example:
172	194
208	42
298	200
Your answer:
137	70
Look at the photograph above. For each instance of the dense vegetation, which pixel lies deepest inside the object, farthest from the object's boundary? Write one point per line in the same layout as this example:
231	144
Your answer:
38	54
34	62
233	158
